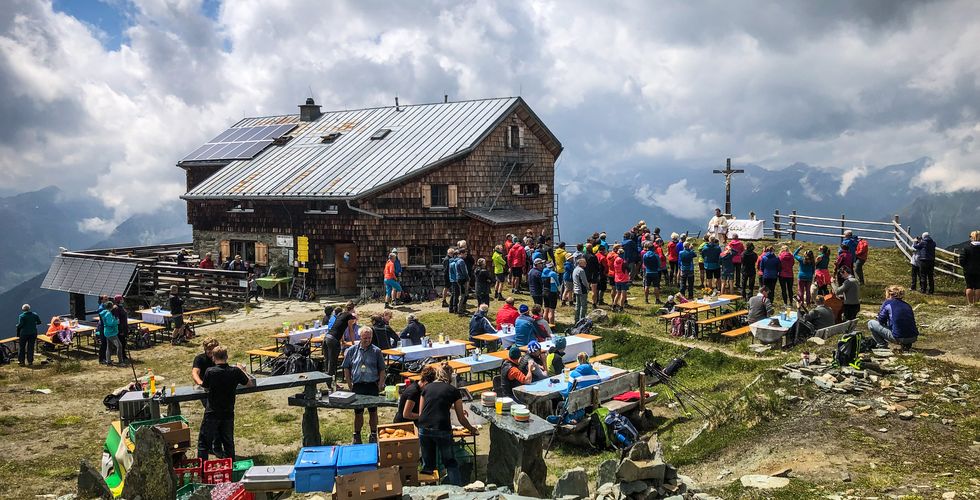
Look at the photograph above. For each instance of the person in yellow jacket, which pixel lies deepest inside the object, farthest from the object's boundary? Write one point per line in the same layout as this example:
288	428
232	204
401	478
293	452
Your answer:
555	360
560	256
499	271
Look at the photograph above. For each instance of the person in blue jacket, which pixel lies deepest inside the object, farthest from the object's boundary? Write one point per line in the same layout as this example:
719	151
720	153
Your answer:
895	321
651	274
27	324
523	327
769	265
584	375
925	254
686	259
804	277
711	253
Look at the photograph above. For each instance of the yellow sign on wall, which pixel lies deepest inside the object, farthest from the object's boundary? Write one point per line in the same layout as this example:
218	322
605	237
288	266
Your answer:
302	249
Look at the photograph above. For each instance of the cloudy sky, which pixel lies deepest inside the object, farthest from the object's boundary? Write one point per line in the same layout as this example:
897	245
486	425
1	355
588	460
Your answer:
102	97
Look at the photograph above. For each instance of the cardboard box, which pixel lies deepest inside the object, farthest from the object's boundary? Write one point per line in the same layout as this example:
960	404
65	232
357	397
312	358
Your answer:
409	474
177	435
399	451
369	485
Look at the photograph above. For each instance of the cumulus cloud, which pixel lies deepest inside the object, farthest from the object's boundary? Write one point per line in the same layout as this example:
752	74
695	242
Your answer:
676	85
677	200
848	177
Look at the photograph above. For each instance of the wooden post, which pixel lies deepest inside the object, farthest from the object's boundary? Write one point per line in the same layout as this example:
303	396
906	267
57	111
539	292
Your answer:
896	224
842	222
792	226
775	225
643	387
311	421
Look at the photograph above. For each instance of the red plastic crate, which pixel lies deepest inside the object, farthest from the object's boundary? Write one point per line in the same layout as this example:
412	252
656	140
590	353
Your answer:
217	471
231	491
188	471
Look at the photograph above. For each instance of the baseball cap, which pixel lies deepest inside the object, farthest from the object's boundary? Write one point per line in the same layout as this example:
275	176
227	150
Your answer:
514	352
533	347
523	309
538	261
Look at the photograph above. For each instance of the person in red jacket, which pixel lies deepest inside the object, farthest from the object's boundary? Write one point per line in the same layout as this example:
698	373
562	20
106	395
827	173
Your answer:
515	259
603	277
206	262
738	248
672	252
507	314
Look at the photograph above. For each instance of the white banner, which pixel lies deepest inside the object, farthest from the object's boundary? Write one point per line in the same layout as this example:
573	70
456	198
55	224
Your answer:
746	229
285	241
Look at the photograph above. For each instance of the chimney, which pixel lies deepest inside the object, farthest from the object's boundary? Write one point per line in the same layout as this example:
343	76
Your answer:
445	97
310	111
396	104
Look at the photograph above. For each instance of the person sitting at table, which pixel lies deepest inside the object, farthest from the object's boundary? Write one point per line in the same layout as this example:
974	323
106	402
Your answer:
413	332
542	330
895	321
555	361
435	425
408	401
583	375
507	314
479	324
524	327
534	359
384	337
364	371
511	375
759	306
820	316
59	331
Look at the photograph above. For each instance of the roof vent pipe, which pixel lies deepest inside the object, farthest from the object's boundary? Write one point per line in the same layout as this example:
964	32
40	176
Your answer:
396	104
445	97
310	111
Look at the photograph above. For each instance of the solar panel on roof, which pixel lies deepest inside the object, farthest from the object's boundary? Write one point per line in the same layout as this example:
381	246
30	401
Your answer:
241	143
89	276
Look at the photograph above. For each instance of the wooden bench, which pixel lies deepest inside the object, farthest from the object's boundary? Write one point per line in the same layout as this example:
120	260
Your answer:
600	358
212	313
257	355
602	394
710	326
480	387
736	333
57	347
668	319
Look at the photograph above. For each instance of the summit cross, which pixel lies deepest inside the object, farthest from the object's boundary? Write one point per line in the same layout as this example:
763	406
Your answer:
728	184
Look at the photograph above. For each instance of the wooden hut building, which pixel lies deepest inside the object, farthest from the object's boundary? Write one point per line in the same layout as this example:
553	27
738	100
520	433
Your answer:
328	195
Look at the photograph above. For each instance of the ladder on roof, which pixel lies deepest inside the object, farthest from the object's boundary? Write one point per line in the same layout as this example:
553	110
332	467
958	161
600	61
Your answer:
554	220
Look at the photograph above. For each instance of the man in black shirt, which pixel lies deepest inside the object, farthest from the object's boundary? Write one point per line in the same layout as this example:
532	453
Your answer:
218	427
335	336
176	308
203	361
435	425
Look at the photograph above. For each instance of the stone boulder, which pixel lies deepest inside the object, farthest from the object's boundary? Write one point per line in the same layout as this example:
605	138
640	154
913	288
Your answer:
524	486
764	482
643	470
91	484
151	477
606	473
639	451
574	482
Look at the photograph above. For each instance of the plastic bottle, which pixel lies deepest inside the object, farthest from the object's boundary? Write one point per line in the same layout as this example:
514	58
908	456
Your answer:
173	389
153	382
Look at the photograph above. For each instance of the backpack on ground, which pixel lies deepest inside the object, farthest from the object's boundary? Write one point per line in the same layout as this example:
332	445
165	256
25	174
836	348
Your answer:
142	339
6	354
620	431
584	325
182	334
848	348
597	432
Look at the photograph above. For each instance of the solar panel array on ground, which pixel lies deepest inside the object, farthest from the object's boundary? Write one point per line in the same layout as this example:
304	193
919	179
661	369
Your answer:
89	276
241	143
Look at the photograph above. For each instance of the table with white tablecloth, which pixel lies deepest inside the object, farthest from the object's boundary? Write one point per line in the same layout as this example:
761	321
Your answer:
156	317
538	395
452	348
766	333
301	336
484	364
573	344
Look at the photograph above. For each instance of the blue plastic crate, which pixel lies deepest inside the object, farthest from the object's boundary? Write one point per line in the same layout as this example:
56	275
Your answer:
315	469
357	458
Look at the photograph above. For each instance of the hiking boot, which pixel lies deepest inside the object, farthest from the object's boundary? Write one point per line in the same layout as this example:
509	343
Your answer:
373	438
357	438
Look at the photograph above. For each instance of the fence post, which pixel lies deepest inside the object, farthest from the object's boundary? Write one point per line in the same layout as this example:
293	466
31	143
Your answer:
842	221
792	226
896	224
775	225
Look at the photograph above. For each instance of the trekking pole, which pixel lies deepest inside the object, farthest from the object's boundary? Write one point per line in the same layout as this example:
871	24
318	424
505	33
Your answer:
561	418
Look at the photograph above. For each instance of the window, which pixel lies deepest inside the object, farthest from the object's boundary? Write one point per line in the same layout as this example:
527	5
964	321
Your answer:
440	195
416	256
381	134
321	207
514	137
242	207
529	190
436	254
244	248
326	254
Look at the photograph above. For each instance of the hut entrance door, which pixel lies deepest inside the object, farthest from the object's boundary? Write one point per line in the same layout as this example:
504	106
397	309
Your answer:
345	258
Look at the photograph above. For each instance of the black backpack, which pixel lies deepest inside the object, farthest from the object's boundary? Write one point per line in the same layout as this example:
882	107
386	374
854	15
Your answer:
6	354
848	348
584	325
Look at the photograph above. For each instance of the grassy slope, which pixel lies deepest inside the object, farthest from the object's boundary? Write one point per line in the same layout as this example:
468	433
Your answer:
44	436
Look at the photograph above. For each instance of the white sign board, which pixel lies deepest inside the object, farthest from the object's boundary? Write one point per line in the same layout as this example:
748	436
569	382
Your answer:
746	229
284	240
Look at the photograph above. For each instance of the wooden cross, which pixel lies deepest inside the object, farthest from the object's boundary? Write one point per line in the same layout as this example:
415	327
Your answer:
728	183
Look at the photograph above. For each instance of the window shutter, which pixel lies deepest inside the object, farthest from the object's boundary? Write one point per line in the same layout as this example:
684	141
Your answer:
542	189
453	196
426	195
507	137
224	250
261	254
402	255
520	135
516	190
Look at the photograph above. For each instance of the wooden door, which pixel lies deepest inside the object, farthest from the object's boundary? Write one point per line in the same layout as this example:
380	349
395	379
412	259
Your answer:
346	268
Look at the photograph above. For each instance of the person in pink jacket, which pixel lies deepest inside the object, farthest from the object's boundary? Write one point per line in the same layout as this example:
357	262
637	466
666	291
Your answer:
786	263
737	249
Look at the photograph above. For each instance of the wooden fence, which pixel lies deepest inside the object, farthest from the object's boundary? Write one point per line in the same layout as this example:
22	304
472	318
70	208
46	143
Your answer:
888	232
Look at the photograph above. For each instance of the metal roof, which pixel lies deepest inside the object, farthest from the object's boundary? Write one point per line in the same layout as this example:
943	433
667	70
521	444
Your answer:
421	136
504	216
89	276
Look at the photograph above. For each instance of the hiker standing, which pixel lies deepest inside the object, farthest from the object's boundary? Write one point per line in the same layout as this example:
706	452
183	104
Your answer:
392	286
435	426
176	304
925	250
580	286
850	293
970	260
110	330
499	272
364	370
27	324
749	258
122	316
482	281
217	435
